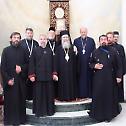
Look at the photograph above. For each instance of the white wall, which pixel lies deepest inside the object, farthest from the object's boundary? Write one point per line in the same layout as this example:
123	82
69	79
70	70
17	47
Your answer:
16	15
123	31
100	16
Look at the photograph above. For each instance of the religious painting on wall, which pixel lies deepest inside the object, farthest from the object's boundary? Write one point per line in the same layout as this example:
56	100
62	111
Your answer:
59	14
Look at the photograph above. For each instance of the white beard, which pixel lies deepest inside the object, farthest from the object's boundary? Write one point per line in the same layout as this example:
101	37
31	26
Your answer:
66	45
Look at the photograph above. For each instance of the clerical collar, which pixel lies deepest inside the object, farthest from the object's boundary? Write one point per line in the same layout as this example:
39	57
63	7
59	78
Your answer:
29	49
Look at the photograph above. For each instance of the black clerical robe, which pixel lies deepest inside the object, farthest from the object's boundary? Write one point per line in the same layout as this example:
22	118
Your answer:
53	44
14	96
41	67
105	88
27	45
67	74
121	52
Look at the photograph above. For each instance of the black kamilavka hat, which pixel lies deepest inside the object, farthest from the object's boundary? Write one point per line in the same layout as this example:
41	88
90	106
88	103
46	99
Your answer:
51	29
65	32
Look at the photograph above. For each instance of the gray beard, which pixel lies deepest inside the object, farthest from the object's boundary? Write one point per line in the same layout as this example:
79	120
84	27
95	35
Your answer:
66	45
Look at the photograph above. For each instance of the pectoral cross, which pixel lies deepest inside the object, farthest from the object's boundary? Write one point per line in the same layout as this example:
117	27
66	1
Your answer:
83	51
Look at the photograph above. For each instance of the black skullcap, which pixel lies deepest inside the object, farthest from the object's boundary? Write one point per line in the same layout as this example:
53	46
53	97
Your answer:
29	29
65	32
52	29
115	32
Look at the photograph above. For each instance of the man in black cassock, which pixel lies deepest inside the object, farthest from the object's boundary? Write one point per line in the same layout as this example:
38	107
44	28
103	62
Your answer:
1	91
29	44
53	44
106	64
14	63
85	46
66	68
121	51
41	73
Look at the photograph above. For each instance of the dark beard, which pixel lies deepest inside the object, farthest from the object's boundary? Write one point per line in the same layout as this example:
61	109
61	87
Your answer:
15	44
103	44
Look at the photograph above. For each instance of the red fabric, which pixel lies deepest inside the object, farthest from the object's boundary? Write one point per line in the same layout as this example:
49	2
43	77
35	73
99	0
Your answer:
1	100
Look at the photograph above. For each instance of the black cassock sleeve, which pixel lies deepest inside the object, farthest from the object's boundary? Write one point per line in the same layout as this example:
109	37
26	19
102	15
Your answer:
117	64
4	72
31	67
55	62
24	67
92	61
123	60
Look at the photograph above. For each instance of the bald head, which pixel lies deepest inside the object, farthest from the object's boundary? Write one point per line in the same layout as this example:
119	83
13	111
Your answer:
43	40
83	32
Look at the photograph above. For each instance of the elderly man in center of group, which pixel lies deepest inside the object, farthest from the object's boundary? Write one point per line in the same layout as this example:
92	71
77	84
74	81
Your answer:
66	68
85	46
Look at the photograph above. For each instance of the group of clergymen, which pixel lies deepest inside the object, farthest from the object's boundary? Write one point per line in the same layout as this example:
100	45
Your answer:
62	70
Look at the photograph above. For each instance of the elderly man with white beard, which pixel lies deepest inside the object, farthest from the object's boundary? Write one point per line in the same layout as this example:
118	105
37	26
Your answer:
66	68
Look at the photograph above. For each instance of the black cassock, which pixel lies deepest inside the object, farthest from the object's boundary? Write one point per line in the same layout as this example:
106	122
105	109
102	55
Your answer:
27	45
52	44
41	66
14	96
121	51
67	74
105	89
